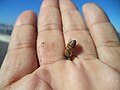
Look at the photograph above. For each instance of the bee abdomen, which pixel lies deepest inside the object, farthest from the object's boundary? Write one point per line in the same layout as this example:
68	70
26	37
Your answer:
67	53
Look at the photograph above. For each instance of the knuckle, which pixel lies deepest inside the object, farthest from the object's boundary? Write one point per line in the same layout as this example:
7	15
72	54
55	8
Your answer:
109	44
19	46
49	27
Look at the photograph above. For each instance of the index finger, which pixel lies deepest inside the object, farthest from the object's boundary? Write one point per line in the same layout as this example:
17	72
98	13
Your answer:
21	57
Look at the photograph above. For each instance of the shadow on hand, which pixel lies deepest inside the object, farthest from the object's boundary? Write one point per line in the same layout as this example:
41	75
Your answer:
78	49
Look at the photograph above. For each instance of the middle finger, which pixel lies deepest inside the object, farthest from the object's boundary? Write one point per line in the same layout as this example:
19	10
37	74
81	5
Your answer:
50	42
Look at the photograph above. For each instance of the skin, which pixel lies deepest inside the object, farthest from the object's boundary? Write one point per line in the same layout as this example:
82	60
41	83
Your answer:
35	58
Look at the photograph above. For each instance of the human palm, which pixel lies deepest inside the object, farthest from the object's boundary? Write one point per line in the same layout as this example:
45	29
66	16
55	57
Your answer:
96	67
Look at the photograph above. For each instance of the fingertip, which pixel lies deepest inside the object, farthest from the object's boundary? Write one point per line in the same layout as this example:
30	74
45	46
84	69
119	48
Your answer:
66	4
49	3
94	14
27	17
88	5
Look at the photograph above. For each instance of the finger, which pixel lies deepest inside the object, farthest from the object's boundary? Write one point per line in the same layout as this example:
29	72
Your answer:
103	34
21	56
50	43
75	29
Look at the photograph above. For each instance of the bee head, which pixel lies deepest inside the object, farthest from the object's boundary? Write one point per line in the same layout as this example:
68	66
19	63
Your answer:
73	43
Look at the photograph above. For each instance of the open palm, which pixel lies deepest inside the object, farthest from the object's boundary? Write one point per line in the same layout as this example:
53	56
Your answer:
97	67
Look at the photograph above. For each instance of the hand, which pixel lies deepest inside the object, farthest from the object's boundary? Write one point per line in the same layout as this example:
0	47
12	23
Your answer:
97	67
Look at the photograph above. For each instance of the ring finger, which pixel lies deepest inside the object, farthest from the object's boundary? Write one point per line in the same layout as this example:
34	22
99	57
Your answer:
75	29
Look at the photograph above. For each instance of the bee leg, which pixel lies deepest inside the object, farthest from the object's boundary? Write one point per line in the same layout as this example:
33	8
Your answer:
75	56
71	56
66	57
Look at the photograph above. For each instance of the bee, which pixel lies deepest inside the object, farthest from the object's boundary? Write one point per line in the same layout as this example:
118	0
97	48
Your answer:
70	49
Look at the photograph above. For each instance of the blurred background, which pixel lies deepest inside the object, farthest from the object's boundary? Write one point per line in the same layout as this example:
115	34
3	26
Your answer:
10	10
